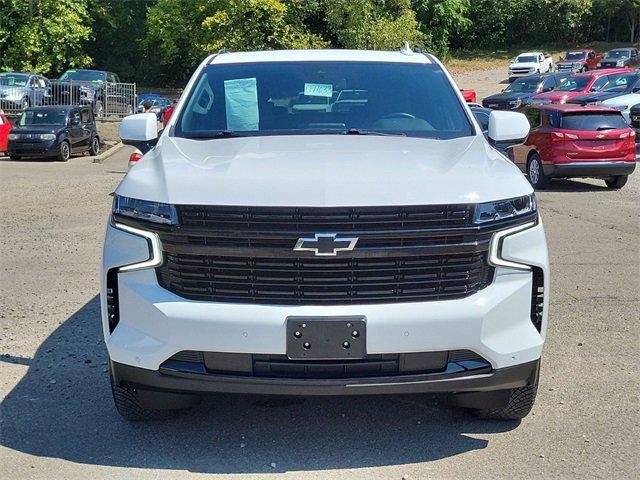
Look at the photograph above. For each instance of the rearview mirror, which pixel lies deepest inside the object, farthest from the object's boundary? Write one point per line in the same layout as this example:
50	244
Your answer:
139	130
507	128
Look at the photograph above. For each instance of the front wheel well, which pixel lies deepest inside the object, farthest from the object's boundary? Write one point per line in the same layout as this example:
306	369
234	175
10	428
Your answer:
531	153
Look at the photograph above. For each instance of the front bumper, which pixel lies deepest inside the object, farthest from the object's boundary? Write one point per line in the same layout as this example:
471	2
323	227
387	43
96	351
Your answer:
590	169
500	379
154	324
48	148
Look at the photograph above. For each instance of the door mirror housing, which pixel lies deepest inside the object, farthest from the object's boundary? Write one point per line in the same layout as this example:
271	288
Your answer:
139	130
507	128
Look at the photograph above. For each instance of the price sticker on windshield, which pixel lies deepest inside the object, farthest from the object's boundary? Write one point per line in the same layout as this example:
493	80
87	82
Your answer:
318	89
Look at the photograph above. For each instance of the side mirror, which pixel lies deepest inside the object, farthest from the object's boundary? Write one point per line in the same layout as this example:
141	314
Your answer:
139	130
547	89
507	128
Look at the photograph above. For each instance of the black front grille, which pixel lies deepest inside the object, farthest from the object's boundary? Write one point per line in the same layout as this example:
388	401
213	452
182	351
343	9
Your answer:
537	298
280	366
113	309
246	254
313	280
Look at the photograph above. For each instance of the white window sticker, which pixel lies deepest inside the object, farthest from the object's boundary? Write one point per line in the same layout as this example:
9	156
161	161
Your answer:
318	89
241	103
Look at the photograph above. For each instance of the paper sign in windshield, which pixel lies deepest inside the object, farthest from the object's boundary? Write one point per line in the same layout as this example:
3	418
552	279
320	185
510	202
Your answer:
318	89
241	103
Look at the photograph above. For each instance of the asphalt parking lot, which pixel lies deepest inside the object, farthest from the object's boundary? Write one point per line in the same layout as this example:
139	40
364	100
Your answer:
58	420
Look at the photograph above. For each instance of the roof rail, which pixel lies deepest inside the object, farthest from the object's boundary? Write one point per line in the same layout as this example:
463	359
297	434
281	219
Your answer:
223	50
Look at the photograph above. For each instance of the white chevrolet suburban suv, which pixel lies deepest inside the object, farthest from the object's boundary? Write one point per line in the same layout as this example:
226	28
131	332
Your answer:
324	223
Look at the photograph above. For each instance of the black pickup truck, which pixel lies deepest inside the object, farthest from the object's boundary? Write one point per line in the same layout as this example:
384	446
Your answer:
92	87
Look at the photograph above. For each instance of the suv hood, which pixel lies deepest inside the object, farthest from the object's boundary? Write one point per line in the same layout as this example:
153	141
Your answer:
507	97
555	96
524	65
323	170
595	97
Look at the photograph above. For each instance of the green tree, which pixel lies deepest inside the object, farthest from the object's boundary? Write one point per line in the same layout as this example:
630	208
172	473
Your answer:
440	20
45	36
372	24
186	31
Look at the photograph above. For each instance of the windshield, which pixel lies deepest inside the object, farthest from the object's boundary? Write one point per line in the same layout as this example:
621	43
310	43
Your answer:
575	56
43	117
524	85
621	83
155	102
593	121
574	84
526	59
617	54
285	98
84	76
13	79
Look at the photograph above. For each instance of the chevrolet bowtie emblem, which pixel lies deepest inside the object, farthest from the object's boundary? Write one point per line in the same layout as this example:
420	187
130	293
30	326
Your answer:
325	244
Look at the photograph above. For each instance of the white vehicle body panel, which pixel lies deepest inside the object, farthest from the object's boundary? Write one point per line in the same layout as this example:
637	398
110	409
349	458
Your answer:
626	101
522	69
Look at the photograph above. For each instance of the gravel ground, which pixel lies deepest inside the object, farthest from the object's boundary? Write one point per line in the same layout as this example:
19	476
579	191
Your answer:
58	421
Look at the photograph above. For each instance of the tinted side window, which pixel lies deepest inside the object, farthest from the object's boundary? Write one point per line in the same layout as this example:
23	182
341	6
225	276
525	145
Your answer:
533	115
86	116
599	83
74	116
593	121
549	82
483	120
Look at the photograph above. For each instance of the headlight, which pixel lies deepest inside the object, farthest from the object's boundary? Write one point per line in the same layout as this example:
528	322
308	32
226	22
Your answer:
145	210
504	209
515	103
13	136
48	136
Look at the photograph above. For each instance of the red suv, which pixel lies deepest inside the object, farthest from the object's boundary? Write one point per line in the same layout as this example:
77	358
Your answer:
5	128
579	84
575	141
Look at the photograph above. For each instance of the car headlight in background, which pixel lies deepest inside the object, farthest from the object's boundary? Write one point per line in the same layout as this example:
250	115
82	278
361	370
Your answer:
515	103
145	210
48	136
505	209
13	136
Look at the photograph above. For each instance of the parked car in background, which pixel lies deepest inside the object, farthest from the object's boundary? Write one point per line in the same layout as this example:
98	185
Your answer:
620	57
469	95
159	103
579	84
88	87
20	90
623	103
635	120
579	61
528	63
521	90
576	141
54	131
618	86
5	129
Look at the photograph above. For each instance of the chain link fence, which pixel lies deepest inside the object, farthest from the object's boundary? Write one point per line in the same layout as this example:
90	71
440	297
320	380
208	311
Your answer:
108	100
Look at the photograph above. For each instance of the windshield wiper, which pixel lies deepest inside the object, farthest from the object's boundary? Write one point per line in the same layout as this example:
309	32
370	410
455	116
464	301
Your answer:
605	128
210	135
357	131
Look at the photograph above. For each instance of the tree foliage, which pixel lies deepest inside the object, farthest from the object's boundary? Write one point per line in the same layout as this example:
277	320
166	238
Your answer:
44	36
160	42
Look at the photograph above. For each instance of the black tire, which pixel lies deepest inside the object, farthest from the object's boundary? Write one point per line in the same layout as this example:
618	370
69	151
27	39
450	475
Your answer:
15	158
617	182
94	146
129	407
64	151
518	405
535	172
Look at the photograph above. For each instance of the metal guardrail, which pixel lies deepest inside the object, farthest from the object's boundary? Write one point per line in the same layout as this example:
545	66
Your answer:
107	99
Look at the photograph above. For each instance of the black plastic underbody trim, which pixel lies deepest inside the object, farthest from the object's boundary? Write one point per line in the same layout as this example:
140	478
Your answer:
583	169
500	379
